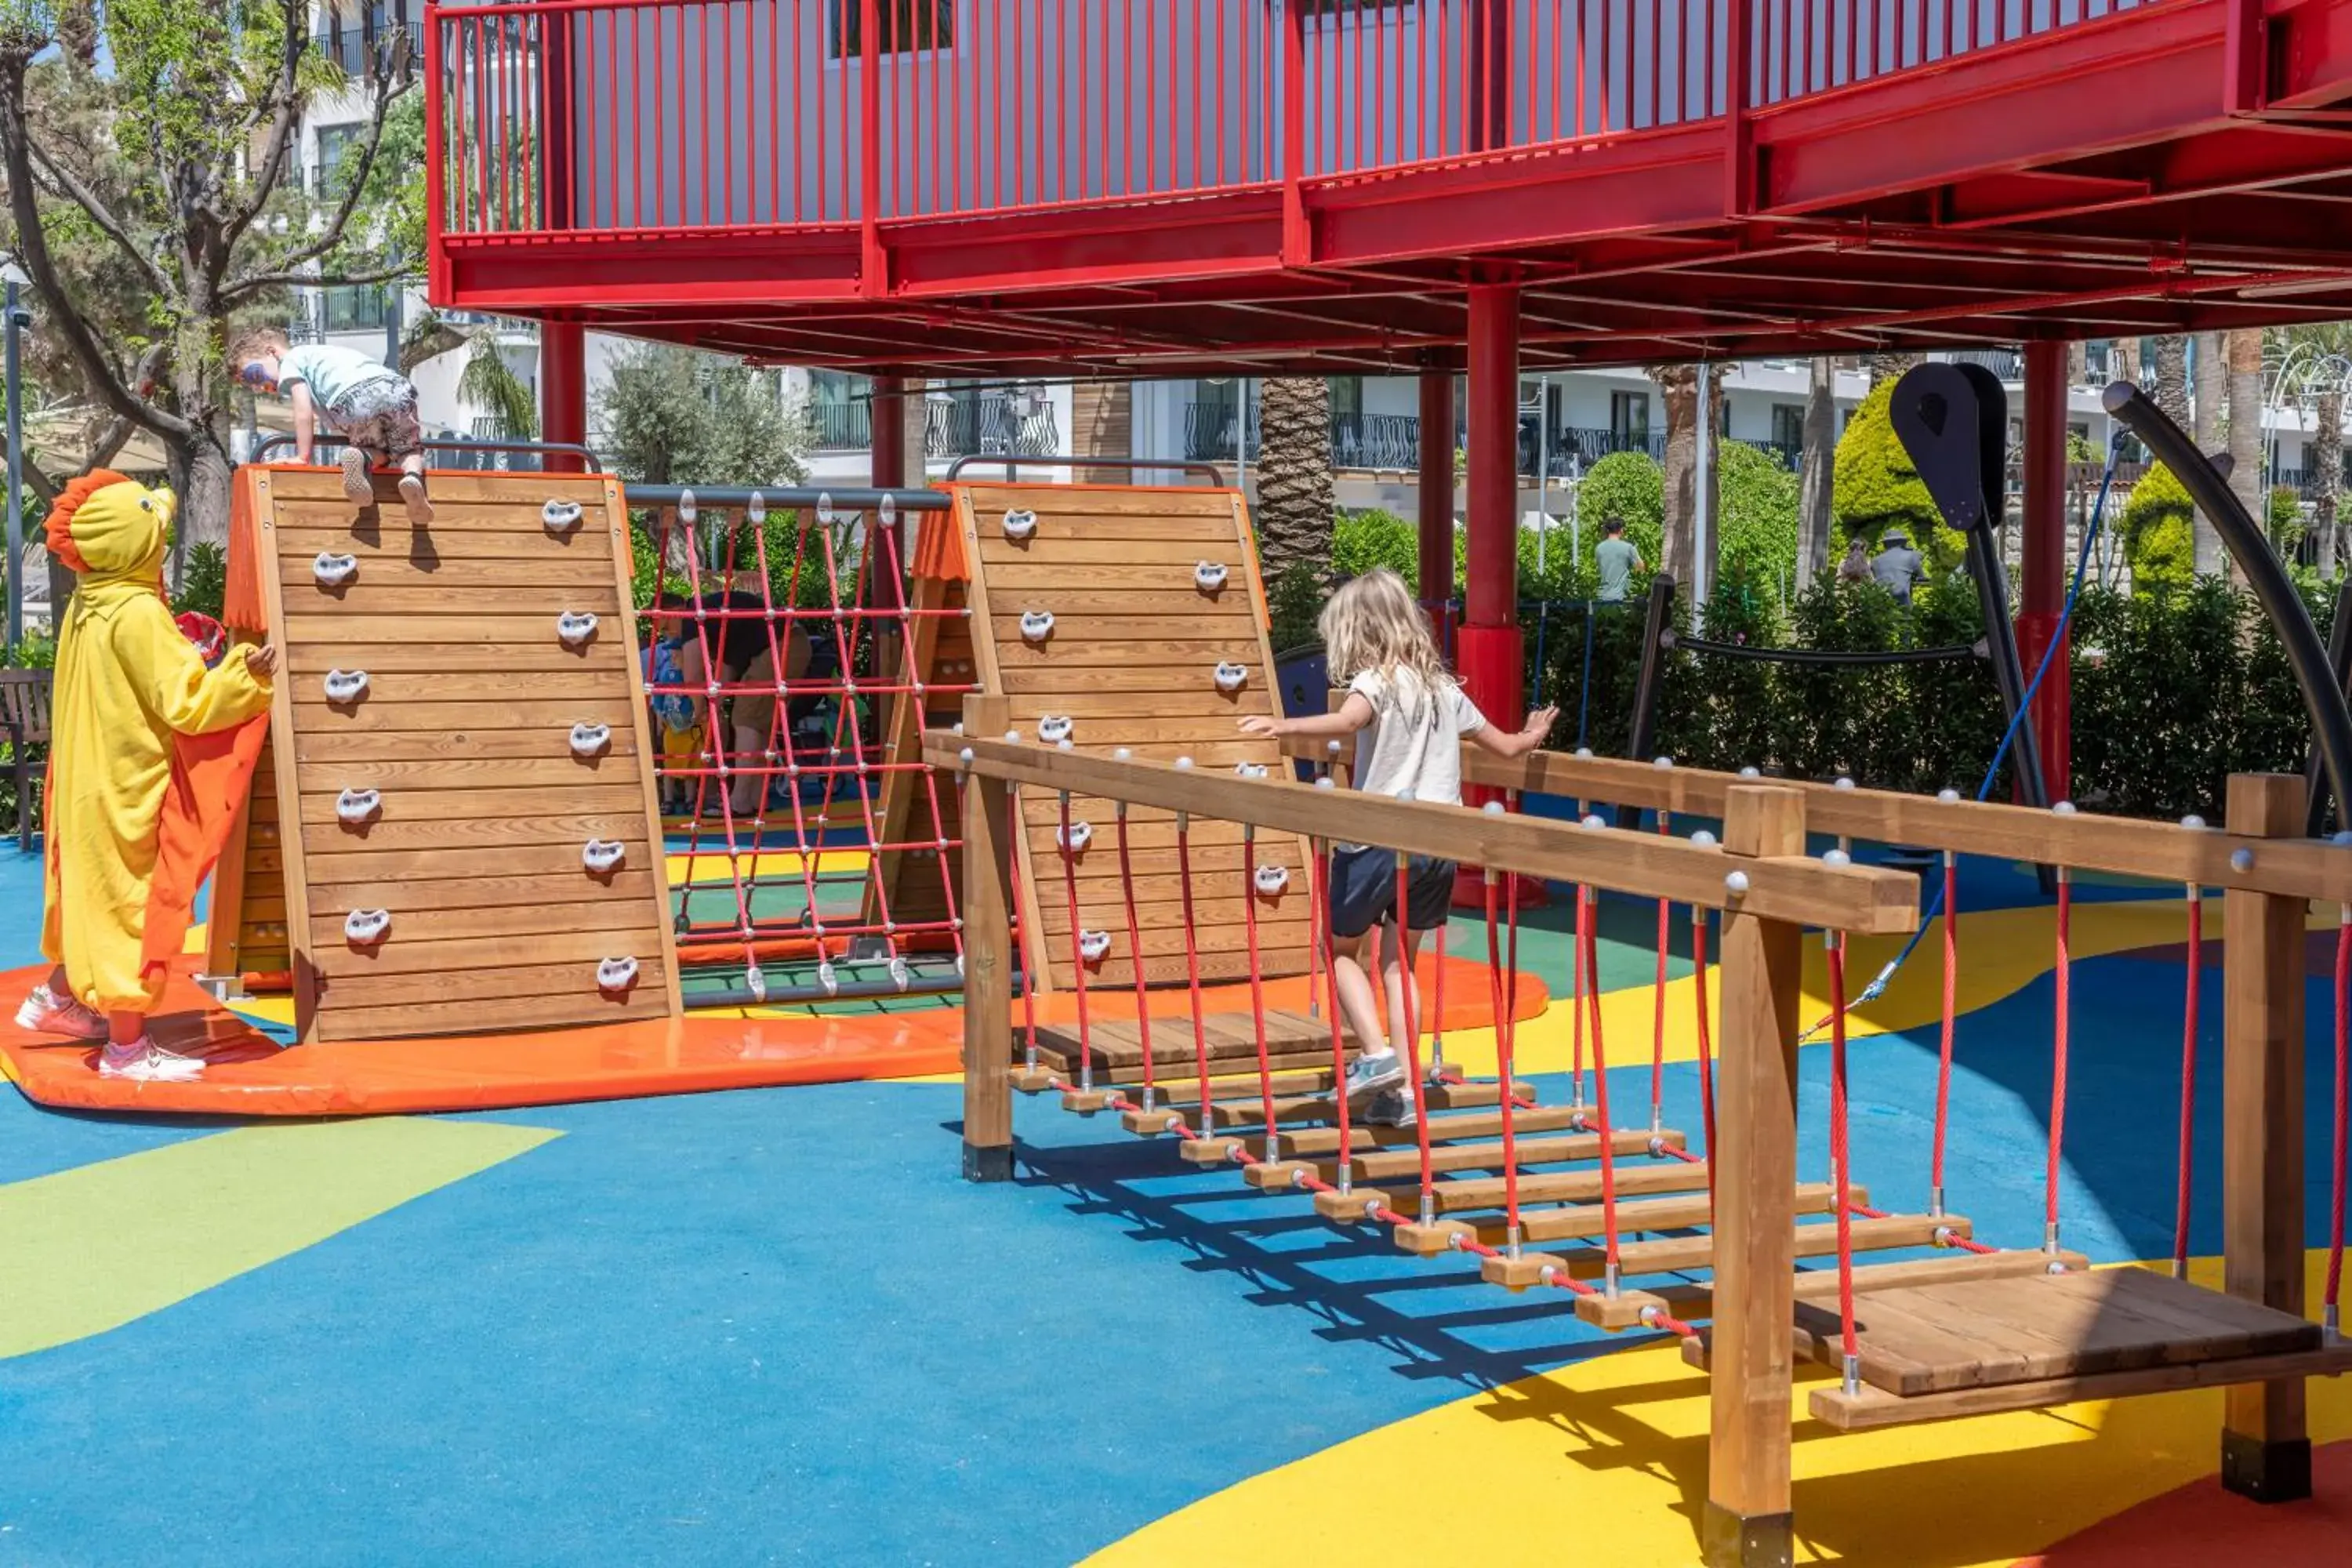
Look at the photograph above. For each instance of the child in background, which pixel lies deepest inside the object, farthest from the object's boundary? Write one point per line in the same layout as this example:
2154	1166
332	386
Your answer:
152	752
677	730
1410	716
370	407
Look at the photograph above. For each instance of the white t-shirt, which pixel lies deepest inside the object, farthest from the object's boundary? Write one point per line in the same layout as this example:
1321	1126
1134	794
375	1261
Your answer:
1413	748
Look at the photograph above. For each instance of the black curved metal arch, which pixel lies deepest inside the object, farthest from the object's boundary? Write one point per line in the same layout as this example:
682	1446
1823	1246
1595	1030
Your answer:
1825	657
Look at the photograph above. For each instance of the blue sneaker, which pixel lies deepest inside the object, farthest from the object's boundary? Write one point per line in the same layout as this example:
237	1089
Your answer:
1390	1108
1370	1073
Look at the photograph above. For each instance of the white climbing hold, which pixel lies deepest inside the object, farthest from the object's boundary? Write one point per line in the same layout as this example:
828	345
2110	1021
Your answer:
1054	728
2241	861
1013	736
334	571
365	927
357	808
1075	837
591	740
574	627
1093	945
1020	524
615	975
1250	770
1209	577
1036	625
345	685
1949	797
1836	857
602	855
1735	882
1271	879
561	516
1229	676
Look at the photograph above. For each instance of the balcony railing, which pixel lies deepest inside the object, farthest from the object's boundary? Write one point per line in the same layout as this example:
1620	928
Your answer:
573	115
991	424
1392	441
843	427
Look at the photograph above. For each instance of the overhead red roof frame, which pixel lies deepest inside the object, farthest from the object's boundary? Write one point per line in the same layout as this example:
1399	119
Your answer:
1216	186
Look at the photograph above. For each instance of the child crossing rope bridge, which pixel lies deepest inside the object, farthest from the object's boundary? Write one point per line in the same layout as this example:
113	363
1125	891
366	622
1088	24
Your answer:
788	653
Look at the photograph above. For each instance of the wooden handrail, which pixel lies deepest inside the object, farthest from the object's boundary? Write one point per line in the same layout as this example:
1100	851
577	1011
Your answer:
1797	890
2083	840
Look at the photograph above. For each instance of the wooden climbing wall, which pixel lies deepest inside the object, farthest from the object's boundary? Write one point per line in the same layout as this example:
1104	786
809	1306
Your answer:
1129	661
246	936
464	730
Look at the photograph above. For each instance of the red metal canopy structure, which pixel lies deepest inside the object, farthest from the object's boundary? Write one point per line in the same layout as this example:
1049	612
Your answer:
1152	188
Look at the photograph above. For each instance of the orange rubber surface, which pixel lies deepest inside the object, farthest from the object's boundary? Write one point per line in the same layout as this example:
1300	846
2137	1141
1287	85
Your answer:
250	1075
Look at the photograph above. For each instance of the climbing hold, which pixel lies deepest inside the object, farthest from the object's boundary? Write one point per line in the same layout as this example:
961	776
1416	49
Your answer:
357	808
1250	770
1093	945
1036	625
575	628
334	571
561	516
591	740
1054	728
365	928
1209	577
1271	879
1074	839
344	686
602	855
1231	677
1020	525
615	976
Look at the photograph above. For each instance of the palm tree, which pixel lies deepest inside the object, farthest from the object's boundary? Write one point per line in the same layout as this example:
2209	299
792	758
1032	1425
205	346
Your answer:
2208	384
1817	472
2172	379
1678	389
2331	341
1888	366
1295	493
2244	355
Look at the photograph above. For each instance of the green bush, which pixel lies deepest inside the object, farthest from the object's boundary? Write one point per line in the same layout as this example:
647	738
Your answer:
33	653
203	580
1875	487
1361	541
1629	485
2284	521
1293	601
2158	528
1757	500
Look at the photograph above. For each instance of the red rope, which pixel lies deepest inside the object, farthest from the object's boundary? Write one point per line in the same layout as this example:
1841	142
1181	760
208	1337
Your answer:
1412	1035
1437	1004
1840	1154
2189	1080
1028	967
1256	980
1658	1000
1600	1081
1503	1043
1319	912
1578	983
1077	948
2343	1109
1705	1065
1944	1047
2062	974
1192	965
1135	947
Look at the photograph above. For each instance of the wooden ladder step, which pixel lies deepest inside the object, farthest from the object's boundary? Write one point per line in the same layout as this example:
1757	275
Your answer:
1393	1162
1247	1111
1645	1179
1680	1254
1695	1303
1873	1409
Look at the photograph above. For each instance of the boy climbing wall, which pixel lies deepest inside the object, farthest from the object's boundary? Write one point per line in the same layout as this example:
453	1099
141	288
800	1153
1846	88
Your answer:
151	751
370	406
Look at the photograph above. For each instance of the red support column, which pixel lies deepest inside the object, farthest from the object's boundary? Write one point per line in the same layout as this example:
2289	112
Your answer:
564	388
1489	653
2041	590
888	416
1438	504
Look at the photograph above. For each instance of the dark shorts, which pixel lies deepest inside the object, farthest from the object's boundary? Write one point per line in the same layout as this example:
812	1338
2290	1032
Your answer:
1363	890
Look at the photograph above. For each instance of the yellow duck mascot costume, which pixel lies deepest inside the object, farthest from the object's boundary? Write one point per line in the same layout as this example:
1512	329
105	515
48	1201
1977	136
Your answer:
152	754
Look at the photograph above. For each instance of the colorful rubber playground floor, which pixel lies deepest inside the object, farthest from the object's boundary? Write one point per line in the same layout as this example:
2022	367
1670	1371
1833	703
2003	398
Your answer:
773	1326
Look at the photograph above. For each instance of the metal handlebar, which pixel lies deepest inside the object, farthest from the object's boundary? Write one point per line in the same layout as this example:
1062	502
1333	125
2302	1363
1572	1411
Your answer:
1216	475
567	448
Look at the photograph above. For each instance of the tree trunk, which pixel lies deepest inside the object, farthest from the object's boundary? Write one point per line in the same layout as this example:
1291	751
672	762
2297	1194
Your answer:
1678	389
1888	366
2210	383
2126	365
2244	355
2078	362
1816	472
1294	492
2172	380
2328	459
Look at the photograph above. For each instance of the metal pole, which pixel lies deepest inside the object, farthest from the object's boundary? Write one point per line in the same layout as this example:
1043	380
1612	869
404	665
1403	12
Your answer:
1702	558
15	475
1543	466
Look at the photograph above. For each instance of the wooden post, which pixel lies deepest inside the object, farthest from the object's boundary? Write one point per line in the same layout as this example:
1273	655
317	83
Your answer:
2265	1449
987	959
1755	1159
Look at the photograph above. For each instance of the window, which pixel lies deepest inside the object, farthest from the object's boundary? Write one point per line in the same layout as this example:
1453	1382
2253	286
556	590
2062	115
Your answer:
357	308
1628	419
903	25
336	142
1347	396
1787	424
840	406
349	31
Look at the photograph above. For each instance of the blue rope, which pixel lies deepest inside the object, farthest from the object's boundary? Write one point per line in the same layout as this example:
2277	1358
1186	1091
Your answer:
1877	987
1543	625
1584	686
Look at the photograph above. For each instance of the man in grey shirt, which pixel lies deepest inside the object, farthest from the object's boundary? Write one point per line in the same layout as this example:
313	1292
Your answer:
1617	559
1898	566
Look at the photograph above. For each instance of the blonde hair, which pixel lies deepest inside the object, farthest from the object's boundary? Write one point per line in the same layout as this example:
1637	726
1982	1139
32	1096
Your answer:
1372	624
254	342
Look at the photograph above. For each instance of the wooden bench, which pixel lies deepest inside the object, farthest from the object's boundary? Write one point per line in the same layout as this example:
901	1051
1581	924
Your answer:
25	723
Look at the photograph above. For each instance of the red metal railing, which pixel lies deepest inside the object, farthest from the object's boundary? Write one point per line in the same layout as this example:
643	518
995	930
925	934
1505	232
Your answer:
669	116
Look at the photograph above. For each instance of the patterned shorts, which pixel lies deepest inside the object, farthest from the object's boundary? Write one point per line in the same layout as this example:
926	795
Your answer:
380	418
